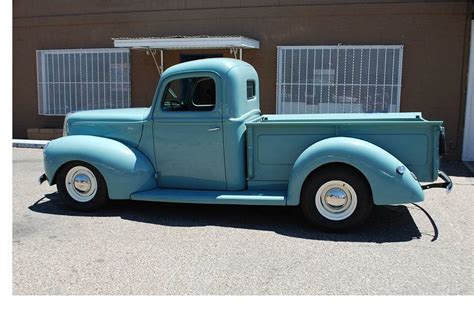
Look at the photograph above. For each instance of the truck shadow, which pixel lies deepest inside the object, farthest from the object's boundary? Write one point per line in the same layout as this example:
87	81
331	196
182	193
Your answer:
456	168
386	223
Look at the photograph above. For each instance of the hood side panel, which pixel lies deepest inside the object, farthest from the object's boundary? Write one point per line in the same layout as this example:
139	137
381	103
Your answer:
113	115
126	132
124	125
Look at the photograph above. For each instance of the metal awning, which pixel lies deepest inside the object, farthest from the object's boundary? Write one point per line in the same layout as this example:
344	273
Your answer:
153	44
187	42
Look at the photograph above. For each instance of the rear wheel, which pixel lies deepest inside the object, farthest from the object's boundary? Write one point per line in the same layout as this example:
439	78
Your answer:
81	186
336	198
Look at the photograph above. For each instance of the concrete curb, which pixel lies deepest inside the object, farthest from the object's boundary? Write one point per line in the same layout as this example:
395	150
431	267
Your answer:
31	144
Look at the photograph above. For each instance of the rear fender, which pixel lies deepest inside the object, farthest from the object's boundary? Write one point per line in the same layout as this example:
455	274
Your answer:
125	169
377	165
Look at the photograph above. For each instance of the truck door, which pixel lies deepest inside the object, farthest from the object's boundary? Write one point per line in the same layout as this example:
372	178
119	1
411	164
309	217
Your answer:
188	133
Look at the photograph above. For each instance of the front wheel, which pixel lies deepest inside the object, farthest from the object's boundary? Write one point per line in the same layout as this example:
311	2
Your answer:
81	186
336	198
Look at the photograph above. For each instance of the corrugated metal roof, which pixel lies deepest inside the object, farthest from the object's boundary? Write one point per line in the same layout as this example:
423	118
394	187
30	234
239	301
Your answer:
187	42
175	37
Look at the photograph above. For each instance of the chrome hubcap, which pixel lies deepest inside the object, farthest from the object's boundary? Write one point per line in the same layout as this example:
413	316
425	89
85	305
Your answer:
82	183
336	197
336	200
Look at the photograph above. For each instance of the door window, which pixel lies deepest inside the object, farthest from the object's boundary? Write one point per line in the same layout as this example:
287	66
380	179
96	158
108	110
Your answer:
190	94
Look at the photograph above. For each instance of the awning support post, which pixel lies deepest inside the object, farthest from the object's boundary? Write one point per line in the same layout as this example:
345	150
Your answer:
234	51
152	52
161	65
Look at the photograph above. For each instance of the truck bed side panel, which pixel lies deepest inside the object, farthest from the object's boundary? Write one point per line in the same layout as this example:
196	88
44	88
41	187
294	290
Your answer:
275	147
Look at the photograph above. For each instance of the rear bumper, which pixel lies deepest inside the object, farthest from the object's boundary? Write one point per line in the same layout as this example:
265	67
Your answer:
447	182
42	179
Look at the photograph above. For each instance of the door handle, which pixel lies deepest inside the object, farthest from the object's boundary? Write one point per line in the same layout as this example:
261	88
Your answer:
213	129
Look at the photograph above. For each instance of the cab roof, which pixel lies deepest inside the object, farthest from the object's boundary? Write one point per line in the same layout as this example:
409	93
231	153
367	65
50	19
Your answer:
220	65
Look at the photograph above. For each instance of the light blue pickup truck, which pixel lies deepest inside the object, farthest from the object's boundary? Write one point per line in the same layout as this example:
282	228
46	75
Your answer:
204	141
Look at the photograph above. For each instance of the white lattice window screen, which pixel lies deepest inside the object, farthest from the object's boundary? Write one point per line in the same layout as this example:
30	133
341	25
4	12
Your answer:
339	79
82	79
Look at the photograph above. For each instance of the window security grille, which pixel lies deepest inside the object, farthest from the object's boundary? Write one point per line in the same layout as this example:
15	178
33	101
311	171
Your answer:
339	79
82	79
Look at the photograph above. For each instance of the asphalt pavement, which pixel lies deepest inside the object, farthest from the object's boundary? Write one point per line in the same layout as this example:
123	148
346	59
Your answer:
178	249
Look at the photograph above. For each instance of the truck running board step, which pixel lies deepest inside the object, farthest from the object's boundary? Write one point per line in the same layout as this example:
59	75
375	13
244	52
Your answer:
245	197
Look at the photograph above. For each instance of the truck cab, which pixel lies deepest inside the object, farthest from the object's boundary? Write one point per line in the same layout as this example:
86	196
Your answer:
204	140
199	114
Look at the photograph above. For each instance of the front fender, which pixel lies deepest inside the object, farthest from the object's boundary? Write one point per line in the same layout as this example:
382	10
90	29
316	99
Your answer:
125	169
377	165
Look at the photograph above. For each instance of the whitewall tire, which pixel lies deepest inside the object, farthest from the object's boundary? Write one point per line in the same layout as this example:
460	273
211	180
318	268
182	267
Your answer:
336	197
81	186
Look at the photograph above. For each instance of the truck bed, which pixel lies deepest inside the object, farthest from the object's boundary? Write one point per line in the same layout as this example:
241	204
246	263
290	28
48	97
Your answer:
274	142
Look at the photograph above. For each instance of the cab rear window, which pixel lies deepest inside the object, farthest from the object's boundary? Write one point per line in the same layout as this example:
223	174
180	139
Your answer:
250	89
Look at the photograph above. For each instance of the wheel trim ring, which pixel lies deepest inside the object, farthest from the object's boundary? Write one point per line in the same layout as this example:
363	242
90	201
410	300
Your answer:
76	194
336	214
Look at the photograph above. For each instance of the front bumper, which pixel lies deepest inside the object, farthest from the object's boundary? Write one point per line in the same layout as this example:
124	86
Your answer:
448	183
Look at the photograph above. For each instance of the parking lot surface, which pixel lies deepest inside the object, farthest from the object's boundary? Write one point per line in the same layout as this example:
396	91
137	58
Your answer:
178	249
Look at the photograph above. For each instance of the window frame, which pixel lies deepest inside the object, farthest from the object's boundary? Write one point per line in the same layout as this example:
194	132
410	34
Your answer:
71	91
281	73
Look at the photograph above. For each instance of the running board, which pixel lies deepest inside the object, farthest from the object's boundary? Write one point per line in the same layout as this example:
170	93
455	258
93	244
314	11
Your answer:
245	197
